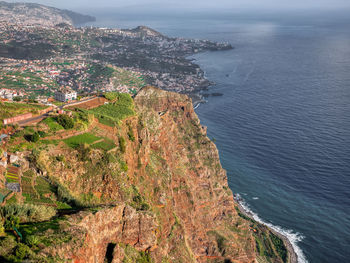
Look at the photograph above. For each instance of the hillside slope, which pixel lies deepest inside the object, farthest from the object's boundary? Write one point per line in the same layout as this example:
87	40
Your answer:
36	14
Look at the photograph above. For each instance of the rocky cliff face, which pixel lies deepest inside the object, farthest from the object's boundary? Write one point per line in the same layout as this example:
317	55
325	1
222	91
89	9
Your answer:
162	197
35	14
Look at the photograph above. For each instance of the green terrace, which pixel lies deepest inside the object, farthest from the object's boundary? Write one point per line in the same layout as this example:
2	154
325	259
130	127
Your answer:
120	107
90	139
8	110
12	174
52	124
85	138
28	81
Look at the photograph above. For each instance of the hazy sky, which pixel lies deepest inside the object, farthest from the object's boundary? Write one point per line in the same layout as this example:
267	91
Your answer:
200	4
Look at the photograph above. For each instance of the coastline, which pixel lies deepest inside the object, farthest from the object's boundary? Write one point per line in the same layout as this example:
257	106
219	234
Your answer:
198	99
292	255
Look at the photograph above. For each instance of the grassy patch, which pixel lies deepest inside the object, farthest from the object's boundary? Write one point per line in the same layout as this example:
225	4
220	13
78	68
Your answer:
105	145
75	141
43	187
44	190
48	142
62	205
111	114
52	124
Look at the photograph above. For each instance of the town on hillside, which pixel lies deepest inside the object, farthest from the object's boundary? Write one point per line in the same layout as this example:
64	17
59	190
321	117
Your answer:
36	60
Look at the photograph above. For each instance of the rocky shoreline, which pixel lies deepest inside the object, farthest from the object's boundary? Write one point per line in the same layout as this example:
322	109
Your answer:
292	256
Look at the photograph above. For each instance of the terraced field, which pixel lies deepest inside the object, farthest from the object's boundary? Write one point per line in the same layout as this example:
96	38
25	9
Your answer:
8	110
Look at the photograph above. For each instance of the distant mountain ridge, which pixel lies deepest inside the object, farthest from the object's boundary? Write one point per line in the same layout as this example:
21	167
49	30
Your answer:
36	14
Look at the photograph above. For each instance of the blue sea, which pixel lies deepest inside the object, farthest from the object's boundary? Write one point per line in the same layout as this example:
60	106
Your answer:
282	126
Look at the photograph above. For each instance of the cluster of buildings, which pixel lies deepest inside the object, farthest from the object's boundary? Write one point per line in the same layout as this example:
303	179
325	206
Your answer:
10	94
162	60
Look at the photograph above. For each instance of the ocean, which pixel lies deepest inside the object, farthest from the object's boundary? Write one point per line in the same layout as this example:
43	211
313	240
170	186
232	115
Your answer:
282	126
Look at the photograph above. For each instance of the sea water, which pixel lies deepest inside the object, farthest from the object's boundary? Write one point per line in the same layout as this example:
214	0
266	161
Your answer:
282	126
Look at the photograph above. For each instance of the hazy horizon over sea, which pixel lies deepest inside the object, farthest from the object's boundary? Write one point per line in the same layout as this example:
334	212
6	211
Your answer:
282	126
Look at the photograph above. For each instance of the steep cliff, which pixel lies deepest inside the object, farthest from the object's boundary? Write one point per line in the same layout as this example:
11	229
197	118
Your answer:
161	196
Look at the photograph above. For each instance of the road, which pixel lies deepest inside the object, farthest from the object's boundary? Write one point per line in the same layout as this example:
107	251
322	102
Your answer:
33	119
39	118
76	103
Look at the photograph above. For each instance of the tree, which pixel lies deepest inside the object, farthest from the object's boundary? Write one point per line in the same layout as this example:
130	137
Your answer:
17	98
65	121
122	144
32	137
2	229
11	222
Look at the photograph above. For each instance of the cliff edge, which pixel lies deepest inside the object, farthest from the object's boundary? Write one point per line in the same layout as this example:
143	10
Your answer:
160	196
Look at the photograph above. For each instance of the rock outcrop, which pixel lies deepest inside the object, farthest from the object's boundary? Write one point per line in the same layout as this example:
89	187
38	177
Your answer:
120	224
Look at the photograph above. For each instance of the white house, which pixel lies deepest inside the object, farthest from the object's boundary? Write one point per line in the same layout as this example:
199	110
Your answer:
65	94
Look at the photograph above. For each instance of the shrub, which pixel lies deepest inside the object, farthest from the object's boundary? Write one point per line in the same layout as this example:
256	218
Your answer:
2	229
131	135
65	196
122	144
11	222
41	134
84	152
7	245
144	257
60	158
280	247
32	137
32	241
39	159
22	251
25	213
123	166
52	124
65	121
139	203
220	241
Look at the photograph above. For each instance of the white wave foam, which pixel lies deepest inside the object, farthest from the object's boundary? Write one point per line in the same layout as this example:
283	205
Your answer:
255	198
196	106
293	237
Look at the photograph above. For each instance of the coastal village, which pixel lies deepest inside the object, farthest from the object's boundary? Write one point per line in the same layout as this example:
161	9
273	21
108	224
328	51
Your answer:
89	59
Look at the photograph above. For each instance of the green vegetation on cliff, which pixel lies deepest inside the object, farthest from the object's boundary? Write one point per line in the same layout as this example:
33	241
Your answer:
147	187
